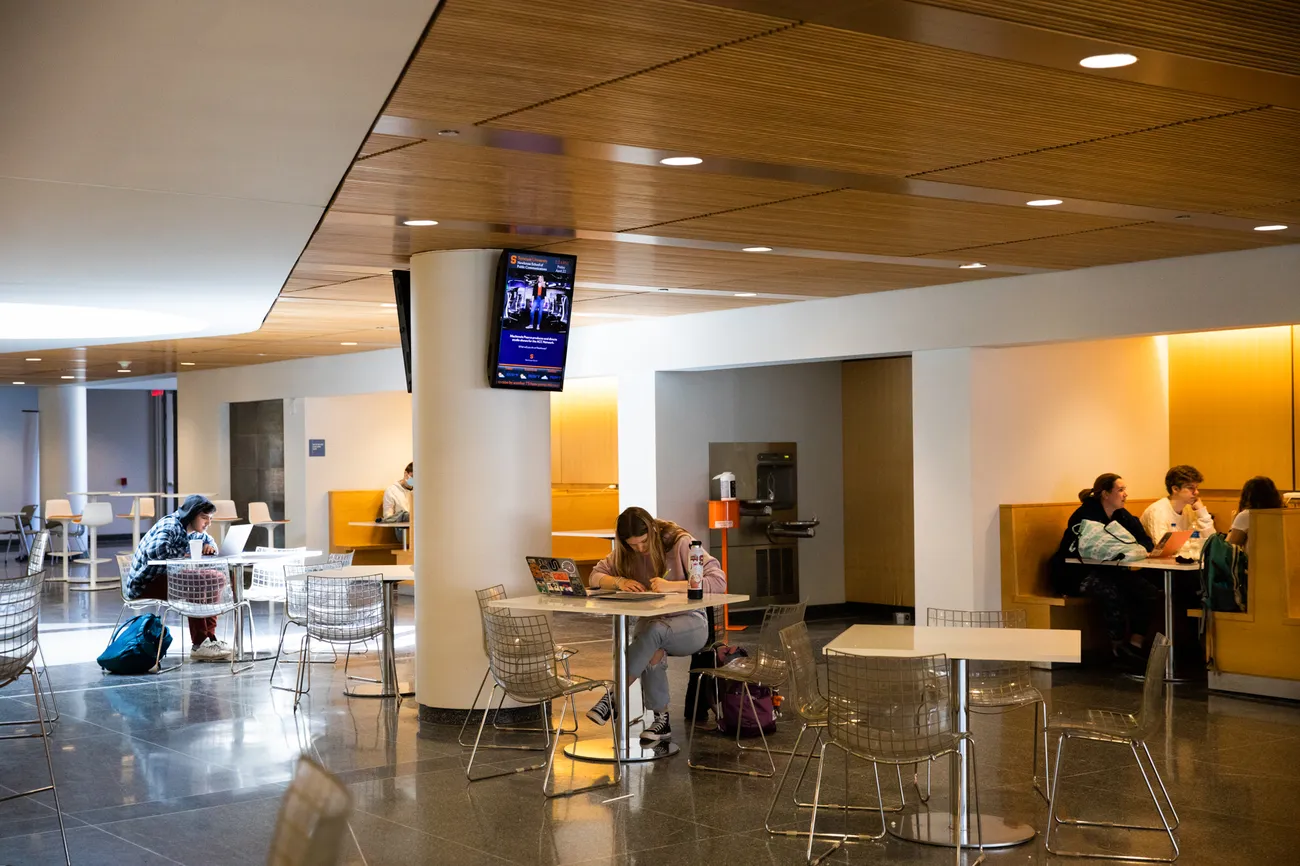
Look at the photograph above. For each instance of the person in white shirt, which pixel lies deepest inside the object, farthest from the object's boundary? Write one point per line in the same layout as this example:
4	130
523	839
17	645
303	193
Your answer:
1182	509
397	498
1258	492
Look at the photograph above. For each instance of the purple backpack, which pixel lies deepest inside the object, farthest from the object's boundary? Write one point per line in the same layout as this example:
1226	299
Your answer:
736	709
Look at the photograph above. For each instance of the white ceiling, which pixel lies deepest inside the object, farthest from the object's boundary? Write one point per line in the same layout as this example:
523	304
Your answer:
175	155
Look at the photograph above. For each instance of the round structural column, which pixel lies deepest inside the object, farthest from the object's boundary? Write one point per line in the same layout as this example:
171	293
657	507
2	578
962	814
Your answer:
483	462
31	458
63	443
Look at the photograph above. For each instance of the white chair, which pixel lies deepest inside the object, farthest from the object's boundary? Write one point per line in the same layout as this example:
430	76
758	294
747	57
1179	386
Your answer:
225	514
268	576
200	591
59	515
147	512
95	515
259	514
135	605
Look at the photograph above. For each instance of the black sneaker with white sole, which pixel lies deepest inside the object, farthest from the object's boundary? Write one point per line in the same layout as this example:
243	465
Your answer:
603	710
658	730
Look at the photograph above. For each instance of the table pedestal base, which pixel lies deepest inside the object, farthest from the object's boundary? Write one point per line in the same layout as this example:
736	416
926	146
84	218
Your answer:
601	751
377	690
935	828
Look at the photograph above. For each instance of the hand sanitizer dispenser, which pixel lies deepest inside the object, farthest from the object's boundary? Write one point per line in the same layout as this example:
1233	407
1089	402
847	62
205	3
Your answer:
726	484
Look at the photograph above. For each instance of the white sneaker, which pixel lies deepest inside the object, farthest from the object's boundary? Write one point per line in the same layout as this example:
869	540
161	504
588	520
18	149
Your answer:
210	651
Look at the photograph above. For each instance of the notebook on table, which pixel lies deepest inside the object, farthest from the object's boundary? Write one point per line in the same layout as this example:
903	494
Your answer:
558	575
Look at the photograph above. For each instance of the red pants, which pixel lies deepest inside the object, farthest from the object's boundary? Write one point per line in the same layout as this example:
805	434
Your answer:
201	628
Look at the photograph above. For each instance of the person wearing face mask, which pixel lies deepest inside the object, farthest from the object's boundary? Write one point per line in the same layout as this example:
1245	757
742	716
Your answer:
1129	604
397	498
654	555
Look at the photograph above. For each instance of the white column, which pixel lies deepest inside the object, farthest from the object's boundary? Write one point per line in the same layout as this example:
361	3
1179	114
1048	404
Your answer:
63	443
638	482
484	464
31	493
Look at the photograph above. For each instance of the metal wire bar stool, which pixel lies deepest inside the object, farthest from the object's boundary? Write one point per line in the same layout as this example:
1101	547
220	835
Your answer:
810	705
995	687
198	591
766	666
1123	729
20	605
562	655
339	611
522	661
891	711
313	816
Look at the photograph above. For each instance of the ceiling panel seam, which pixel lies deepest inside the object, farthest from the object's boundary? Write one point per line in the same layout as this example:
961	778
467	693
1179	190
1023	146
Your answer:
1039	238
390	150
685	57
736	209
1110	137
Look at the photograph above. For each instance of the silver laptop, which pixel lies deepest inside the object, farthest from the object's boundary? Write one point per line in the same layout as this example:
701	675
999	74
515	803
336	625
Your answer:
236	538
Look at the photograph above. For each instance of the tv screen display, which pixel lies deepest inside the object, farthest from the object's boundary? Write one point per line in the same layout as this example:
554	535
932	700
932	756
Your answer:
532	307
402	294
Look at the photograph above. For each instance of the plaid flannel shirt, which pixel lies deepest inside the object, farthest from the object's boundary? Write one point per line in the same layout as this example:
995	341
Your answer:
166	539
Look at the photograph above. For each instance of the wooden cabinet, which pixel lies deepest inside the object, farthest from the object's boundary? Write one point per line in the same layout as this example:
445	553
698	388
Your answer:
584	432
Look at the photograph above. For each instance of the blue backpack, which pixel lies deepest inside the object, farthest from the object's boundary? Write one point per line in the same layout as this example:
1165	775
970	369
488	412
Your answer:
133	648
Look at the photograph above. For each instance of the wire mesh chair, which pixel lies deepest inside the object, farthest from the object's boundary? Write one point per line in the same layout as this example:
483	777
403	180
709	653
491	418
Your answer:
1124	729
810	705
203	590
20	604
135	605
765	666
295	611
341	560
522	661
891	711
35	565
339	611
562	654
268	576
998	686
313	816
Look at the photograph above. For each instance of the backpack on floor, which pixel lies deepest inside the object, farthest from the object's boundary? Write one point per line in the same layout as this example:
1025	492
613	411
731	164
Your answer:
736	711
133	648
709	657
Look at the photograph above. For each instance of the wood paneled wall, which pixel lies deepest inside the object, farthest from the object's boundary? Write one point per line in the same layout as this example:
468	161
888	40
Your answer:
584	432
879	560
1232	405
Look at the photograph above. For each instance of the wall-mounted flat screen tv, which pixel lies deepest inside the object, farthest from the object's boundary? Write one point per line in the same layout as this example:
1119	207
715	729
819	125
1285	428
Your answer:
531	310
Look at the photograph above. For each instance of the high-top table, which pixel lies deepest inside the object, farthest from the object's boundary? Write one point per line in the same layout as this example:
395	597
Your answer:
674	602
961	645
379	524
388	686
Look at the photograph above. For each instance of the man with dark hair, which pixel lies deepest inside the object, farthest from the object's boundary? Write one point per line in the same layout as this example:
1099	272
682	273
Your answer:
1182	509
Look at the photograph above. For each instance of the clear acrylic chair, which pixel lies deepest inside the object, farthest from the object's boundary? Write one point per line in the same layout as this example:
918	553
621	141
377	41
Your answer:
20	605
562	655
313	818
995	687
522	661
203	590
1122	729
891	711
805	698
765	666
339	611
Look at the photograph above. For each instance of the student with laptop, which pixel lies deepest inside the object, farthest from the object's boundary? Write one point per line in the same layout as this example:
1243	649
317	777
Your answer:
653	555
170	538
1183	509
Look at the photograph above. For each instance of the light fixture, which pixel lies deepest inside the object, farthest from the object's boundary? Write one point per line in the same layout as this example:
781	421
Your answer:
347	344
449	133
20	383
758	249
187	363
680	160
1043	202
747	294
1108	61
31	359
390	306
125	370
972	266
65	322
67	377
419	222
1273	228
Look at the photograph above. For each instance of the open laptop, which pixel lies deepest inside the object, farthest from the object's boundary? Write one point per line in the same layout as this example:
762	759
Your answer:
558	575
236	538
1170	543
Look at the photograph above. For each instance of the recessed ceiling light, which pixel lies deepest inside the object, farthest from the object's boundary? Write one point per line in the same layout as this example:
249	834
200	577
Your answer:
20	383
32	359
972	266
758	249
1274	228
1108	61
680	160
747	294
187	363
347	344
67	377
1043	202
124	371
419	222
389	305
450	133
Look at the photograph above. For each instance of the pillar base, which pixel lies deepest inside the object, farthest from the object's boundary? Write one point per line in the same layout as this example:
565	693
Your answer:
440	716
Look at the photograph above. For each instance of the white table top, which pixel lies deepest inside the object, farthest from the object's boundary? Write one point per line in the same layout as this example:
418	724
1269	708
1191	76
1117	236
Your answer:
673	602
91	493
607	534
1164	563
391	573
139	494
405	524
176	495
981	644
246	558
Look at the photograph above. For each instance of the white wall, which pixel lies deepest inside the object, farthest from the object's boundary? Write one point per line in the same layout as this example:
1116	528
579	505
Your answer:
118	446
13	401
800	404
367	446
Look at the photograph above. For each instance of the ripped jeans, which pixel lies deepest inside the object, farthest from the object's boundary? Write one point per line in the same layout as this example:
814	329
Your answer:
676	635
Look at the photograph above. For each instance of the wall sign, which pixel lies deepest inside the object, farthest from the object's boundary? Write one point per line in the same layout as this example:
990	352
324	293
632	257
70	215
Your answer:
315	447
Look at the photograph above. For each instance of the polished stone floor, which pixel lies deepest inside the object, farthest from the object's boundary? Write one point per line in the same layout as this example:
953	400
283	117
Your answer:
188	768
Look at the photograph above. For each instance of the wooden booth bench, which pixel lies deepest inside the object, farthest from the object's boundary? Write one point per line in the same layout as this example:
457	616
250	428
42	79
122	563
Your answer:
373	545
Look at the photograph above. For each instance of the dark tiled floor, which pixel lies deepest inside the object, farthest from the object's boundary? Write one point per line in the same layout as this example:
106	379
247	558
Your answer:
188	768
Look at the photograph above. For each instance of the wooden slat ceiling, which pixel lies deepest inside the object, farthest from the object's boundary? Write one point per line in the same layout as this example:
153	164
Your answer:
517	120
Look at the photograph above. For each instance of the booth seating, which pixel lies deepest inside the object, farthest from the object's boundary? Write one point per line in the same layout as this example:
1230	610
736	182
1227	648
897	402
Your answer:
374	545
582	506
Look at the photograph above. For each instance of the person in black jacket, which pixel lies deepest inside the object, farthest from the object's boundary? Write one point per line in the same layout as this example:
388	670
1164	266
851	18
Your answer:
1128	601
